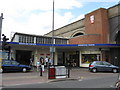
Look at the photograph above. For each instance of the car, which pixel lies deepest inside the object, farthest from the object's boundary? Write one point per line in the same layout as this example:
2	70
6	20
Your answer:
12	65
96	66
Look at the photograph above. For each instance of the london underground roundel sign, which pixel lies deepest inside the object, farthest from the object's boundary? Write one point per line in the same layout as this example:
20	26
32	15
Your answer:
92	18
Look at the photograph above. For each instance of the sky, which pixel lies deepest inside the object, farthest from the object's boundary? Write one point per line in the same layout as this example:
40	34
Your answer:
35	16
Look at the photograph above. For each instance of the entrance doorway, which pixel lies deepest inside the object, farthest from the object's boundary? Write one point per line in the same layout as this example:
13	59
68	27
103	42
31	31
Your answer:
23	57
69	58
74	59
118	38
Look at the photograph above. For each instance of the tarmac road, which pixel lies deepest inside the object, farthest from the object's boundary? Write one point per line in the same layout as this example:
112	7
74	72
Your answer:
102	82
79	78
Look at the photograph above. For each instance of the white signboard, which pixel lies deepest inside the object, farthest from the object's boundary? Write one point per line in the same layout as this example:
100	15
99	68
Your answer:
61	72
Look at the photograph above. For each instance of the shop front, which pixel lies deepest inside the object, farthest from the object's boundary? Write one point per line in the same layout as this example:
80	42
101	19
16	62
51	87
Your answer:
89	56
67	54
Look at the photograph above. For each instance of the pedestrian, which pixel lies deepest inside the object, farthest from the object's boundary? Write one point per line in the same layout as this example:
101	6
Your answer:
50	61
38	65
46	61
31	63
42	62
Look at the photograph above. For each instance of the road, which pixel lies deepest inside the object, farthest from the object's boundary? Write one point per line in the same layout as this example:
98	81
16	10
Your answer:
97	82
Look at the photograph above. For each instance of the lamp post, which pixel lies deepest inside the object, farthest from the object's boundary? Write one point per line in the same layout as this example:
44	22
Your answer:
1	18
52	49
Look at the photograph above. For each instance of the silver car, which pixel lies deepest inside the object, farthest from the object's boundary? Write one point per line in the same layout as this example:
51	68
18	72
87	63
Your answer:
102	66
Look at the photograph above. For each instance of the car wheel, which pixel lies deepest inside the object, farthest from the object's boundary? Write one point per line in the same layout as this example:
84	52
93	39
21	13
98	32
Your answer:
114	70
24	70
94	70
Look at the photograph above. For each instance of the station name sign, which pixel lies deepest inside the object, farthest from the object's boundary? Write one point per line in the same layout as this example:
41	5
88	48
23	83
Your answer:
64	45
86	45
27	43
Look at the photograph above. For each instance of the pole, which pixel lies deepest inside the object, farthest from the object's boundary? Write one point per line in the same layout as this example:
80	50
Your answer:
53	34
1	18
40	71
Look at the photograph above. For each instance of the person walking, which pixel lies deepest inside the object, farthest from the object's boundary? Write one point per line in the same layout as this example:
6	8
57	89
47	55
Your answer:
38	65
42	62
46	61
31	63
50	61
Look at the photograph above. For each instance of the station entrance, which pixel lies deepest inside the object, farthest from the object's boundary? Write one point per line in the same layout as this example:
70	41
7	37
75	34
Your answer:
115	56
118	50
69	58
23	56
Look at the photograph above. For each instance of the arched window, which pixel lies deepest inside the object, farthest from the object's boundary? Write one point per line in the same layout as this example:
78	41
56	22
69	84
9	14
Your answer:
78	34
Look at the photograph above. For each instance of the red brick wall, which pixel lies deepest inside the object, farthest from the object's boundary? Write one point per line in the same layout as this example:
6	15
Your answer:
85	39
97	32
100	25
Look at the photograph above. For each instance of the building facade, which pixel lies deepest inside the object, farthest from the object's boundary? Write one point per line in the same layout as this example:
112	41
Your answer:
101	26
95	37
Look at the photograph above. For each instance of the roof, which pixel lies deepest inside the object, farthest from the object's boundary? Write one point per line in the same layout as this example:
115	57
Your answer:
17	33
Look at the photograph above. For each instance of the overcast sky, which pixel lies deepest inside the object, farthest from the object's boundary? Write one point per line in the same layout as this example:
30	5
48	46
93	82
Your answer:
35	16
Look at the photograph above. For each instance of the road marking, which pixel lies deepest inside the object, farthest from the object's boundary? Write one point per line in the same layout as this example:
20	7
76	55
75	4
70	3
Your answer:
80	80
112	86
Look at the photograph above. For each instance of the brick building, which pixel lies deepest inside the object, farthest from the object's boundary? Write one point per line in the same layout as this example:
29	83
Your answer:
95	37
101	26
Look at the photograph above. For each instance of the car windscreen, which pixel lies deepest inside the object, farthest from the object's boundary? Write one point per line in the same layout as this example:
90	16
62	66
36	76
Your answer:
14	63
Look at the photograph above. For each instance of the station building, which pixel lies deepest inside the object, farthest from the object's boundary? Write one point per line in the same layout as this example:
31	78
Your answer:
95	37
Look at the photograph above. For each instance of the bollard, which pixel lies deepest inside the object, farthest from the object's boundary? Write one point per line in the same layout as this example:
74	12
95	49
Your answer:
40	71
68	72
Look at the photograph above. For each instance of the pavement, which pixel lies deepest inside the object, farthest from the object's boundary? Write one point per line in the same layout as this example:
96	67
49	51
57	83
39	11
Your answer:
33	77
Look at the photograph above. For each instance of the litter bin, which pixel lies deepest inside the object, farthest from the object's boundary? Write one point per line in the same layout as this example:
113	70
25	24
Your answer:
51	72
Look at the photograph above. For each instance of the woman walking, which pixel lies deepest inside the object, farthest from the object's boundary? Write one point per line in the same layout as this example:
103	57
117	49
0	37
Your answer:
38	65
42	62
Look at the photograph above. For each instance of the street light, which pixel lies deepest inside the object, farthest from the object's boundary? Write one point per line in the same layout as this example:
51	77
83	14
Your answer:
1	18
52	49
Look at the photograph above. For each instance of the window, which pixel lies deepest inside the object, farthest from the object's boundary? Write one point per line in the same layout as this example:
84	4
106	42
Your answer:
6	62
20	38
88	58
14	63
78	34
106	63
60	41
31	39
99	63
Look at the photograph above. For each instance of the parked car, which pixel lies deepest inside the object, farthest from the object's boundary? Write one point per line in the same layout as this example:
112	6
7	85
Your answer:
102	66
12	65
